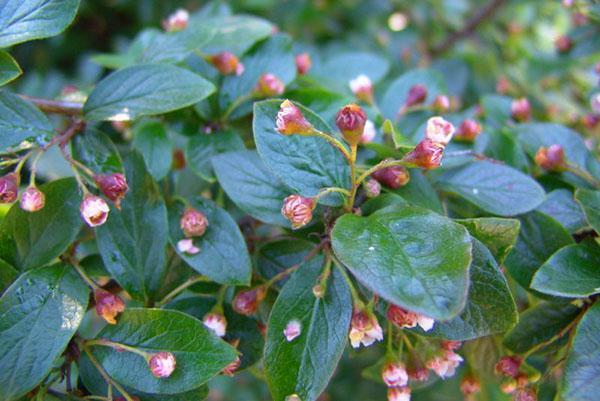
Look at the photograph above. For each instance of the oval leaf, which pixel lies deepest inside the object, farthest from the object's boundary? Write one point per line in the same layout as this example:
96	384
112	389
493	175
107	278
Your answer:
151	139
498	235
590	202
203	147
9	69
561	205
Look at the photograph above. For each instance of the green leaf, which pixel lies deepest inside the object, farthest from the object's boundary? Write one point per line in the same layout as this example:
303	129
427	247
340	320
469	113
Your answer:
572	272
274	257
201	148
490	307
304	365
498	235
200	355
39	314
561	205
8	274
145	89
420	192
29	240
151	140
251	186
495	188
539	238
223	253
9	69
411	257
95	149
235	33
20	121
344	67
382	201
305	164
590	202
538	325
25	20
580	381
133	240
497	109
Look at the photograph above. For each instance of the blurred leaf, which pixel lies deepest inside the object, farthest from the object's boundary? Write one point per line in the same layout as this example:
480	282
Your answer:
344	67
235	33
151	140
9	69
202	147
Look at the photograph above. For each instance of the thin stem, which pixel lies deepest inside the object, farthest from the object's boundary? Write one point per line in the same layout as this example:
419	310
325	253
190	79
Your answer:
575	169
390	347
358	303
329	190
118	346
355	184
55	106
105	375
83	275
188	283
33	168
22	162
283	274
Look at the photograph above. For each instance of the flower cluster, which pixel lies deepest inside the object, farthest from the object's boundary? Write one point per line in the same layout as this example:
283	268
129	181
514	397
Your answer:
429	152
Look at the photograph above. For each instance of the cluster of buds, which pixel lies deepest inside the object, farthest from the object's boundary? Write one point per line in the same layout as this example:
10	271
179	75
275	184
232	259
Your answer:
247	302
177	21
515	381
407	319
551	158
298	210
268	86
364	329
32	199
162	364
193	223
520	109
216	322
226	63
563	44
94	210
468	131
9	188
303	63
428	153
108	305
351	120
392	177
290	120
362	88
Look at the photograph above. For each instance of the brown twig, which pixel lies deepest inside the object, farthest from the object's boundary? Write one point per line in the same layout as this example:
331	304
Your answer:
55	106
471	25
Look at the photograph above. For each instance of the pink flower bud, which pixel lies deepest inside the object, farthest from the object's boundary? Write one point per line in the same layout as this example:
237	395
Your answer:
468	131
230	369
502	86
303	63
444	364
114	186
247	302
426	155
551	158
162	364
369	133
108	305
193	223
292	330
520	109
94	210
398	394
269	85
439	130
227	63
470	385
32	200
187	246
9	188
525	394
508	366
563	44
404	318
392	177
441	104
394	374
372	188
177	21
351	121
362	87
364	329
216	322
416	95
290	120
298	210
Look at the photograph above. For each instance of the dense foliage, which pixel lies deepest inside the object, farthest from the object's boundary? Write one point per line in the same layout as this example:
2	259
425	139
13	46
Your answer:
341	199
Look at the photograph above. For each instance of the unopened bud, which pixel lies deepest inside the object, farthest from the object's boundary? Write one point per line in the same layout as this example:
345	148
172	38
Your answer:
303	63
108	305
551	158
193	222
508	366
268	86
563	44
394	374
439	130
32	200
364	329
9	188
216	322
186	245
177	21
502	86
290	120
468	131
94	210
392	177
520	109
230	369
298	210
247	302
372	188
416	95
590	121
362	87
470	385
318	291
441	104
398	394
292	330
525	394
162	364
406	319
351	121
426	155
114	186
227	63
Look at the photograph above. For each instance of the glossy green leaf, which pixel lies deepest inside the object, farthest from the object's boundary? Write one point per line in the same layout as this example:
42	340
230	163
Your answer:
304	365
539	238
580	381
223	254
9	69
274	257
201	148
420	192
133	240
382	201
95	149
29	240
498	235
234	33
8	274
538	325
20	121
561	205
39	313
305	164
590	202
495	188
200	354
145	89
251	186
151	140
490	307
25	20
572	272
411	257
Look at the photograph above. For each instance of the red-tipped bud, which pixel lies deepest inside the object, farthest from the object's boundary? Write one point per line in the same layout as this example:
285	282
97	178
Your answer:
439	130
162	364
394	374
392	177
398	394
470	385
426	155
227	63
269	85
416	95
525	394
114	186
468	131
193	223
9	188
520	109
247	302
177	21
32	200
230	369
563	44
298	210
292	330
404	318
94	210
364	329
372	188
508	366
290	120
551	158
303	63
441	104
108	305
216	322
362	87
351	121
